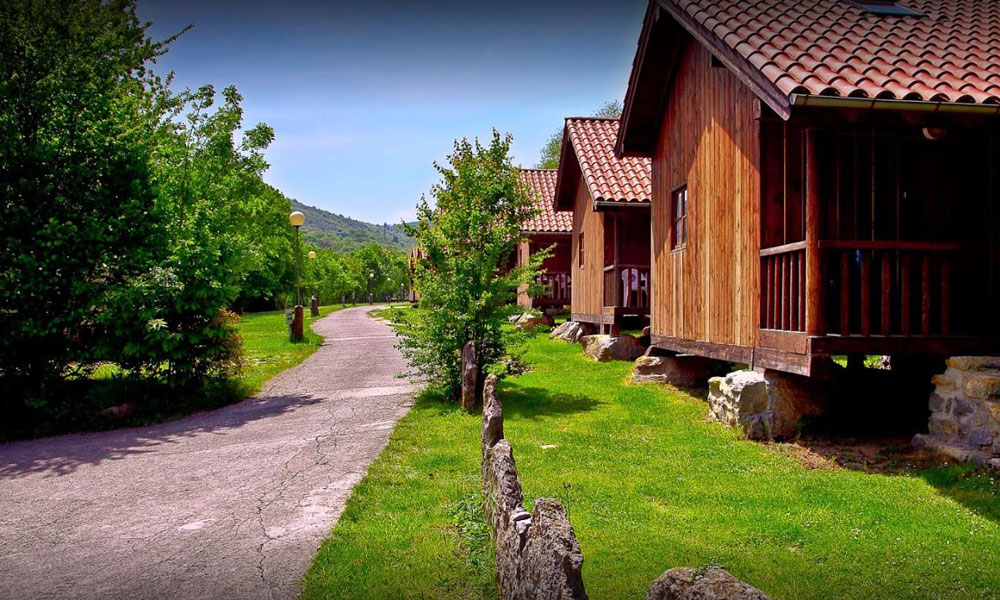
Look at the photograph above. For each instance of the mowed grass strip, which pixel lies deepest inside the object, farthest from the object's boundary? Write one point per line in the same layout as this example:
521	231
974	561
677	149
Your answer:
400	535
650	485
267	349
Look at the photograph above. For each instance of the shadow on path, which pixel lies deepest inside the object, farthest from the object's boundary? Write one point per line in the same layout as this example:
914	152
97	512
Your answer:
65	454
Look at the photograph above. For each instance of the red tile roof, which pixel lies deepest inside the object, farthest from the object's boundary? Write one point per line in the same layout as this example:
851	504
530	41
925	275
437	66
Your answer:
542	183
608	178
835	48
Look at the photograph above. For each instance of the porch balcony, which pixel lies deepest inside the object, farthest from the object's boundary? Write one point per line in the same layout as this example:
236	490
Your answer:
626	289
871	297
556	290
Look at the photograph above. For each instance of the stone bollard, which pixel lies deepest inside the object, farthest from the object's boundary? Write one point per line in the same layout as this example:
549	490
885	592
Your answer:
470	375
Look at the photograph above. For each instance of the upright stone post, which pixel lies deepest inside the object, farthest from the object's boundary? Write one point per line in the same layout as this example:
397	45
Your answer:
470	374
298	324
314	306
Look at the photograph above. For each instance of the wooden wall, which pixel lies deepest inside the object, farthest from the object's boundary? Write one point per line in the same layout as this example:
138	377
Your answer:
588	282
709	139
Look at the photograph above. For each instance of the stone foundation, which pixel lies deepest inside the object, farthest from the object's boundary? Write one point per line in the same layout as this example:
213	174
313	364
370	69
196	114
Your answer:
965	410
765	405
683	370
603	348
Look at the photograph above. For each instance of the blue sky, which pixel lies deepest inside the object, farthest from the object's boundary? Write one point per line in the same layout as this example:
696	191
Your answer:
364	96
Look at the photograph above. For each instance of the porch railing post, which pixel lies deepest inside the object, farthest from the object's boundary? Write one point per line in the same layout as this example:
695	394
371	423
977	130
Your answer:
815	294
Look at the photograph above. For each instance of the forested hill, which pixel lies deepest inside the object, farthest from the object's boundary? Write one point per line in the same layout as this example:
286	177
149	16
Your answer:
344	234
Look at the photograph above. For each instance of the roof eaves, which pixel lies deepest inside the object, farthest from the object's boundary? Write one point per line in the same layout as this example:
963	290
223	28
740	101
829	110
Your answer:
765	89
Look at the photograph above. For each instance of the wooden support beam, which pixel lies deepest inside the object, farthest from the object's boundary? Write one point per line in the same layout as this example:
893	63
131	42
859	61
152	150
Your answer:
886	294
925	295
945	296
815	315
904	296
866	294
845	293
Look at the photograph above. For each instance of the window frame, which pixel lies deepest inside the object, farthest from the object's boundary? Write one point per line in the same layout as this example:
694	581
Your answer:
680	232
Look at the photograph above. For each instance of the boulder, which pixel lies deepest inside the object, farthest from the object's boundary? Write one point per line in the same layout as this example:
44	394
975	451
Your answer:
764	405
694	584
685	370
603	348
647	336
572	331
492	416
528	321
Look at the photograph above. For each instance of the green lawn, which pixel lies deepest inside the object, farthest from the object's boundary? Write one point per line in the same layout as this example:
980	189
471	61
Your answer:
650	485
267	348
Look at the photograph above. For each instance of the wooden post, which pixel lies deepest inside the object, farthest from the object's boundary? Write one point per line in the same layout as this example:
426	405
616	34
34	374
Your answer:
815	289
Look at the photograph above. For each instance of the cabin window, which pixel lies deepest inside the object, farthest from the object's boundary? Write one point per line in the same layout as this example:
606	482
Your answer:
679	216
579	250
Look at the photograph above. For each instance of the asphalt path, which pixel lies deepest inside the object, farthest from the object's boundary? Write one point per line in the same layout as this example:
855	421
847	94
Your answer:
231	503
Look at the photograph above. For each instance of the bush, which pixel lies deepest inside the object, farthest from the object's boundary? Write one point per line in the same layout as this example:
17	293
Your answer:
464	279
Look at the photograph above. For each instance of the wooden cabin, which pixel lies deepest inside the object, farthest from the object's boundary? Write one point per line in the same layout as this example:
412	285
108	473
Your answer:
609	198
824	177
548	228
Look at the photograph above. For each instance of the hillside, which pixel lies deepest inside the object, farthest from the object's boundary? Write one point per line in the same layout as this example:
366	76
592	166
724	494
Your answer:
344	234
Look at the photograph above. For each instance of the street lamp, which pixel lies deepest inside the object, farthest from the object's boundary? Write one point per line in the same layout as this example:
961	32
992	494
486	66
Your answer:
297	219
371	280
313	302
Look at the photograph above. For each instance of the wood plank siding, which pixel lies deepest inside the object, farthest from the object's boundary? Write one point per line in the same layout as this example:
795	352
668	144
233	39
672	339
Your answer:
709	141
588	281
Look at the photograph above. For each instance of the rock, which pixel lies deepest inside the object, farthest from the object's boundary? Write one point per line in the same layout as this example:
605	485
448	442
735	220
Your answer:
647	335
942	425
692	584
764	405
492	416
119	411
572	331
974	363
502	488
550	560
994	463
470	375
980	438
982	386
944	381
603	348
528	321
681	370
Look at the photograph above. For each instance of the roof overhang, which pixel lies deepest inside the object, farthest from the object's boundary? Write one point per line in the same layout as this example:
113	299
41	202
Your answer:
546	233
600	205
814	101
569	175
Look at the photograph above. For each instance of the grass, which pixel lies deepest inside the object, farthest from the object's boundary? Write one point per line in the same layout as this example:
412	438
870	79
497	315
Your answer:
409	529
86	404
267	348
650	485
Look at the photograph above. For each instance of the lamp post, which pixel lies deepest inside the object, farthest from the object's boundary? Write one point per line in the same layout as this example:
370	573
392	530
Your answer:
314	301
371	294
297	219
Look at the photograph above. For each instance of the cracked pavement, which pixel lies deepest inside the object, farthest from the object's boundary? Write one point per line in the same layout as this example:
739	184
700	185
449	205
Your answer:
231	503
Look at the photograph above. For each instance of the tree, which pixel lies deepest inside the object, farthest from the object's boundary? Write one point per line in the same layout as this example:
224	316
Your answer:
77	208
463	279
549	158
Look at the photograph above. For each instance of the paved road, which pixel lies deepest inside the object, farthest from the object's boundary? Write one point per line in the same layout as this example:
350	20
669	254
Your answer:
226	504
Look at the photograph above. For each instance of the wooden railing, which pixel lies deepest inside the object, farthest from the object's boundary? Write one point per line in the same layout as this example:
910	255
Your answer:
869	287
556	288
783	287
888	288
626	286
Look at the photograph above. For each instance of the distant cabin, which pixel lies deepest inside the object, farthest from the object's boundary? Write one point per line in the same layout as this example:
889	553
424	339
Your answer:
609	198
824	178
549	228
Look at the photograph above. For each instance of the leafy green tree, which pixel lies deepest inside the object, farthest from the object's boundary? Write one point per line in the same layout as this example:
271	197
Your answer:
78	217
217	213
463	280
549	158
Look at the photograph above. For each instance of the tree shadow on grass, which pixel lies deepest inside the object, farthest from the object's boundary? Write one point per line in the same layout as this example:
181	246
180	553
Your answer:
63	455
534	402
